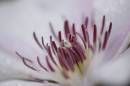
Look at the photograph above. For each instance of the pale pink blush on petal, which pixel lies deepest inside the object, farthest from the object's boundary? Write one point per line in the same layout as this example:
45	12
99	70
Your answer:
116	42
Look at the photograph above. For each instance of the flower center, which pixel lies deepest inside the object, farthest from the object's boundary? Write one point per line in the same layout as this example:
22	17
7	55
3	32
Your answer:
71	56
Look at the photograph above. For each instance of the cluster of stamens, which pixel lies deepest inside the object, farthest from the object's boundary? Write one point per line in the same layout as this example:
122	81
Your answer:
70	54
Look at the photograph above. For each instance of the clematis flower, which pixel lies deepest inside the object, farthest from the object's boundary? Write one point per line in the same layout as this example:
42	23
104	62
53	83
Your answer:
72	58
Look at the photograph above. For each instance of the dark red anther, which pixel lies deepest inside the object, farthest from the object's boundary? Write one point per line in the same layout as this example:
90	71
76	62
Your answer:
107	35
50	54
72	38
65	61
69	37
40	64
105	40
43	43
25	60
82	39
73	30
49	65
78	51
110	28
53	47
103	25
75	58
62	59
26	64
51	42
94	34
84	33
73	55
21	57
100	44
59	36
66	28
50	39
87	35
86	22
68	59
52	30
36	40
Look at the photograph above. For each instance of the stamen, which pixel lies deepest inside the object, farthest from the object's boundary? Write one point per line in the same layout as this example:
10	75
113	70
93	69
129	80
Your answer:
49	65
70	36
103	24
110	28
23	57
50	55
54	47
62	60
36	40
83	41
44	81
66	28
71	54
86	22
128	46
79	52
40	64
105	40
94	34
68	59
100	44
84	33
43	43
50	39
25	60
73	30
88	40
59	36
52	30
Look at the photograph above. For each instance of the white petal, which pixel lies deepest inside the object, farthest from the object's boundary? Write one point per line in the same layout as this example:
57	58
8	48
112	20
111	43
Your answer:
115	72
124	46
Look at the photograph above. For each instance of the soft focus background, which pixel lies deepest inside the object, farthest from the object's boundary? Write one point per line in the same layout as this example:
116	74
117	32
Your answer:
19	18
